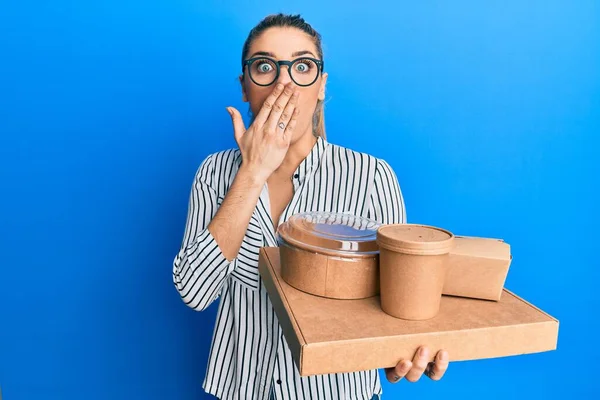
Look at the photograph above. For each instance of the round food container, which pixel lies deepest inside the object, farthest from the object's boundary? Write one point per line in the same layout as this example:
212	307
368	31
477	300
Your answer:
413	265
332	255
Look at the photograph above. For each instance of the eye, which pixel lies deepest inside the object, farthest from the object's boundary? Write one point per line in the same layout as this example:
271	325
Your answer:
264	66
304	66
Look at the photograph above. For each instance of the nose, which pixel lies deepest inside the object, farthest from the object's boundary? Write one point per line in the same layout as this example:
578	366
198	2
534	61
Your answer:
284	75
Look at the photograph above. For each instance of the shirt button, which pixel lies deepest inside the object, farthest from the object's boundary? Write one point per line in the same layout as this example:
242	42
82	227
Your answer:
279	381
296	176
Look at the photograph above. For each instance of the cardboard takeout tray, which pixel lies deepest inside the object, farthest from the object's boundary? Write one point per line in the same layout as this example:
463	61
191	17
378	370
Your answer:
334	336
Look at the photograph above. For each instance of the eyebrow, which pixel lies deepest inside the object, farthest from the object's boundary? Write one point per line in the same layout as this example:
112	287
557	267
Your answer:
295	54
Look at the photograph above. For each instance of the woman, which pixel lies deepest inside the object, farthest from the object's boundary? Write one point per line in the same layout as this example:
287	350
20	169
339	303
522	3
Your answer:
284	165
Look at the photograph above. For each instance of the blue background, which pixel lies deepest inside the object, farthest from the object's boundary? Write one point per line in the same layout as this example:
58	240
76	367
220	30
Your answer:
489	112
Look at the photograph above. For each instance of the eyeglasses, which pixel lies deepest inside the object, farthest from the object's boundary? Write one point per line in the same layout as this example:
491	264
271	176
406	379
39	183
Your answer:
264	71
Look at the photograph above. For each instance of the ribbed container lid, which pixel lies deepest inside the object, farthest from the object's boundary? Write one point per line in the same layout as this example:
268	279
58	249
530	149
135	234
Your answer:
331	233
415	239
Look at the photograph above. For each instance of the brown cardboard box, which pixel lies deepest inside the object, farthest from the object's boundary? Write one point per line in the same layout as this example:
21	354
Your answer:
332	336
478	268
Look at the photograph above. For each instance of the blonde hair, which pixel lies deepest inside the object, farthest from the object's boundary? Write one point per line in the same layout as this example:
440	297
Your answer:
319	120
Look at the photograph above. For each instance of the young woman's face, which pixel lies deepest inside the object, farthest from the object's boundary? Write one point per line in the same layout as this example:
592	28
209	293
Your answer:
285	44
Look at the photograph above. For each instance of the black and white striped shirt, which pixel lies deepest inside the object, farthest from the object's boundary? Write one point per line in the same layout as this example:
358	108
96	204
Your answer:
249	354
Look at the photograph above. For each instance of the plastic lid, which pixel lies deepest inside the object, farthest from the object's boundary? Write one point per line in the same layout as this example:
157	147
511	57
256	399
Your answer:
415	239
331	233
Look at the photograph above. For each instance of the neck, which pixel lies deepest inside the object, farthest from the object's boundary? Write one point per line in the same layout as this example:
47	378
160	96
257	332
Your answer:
297	152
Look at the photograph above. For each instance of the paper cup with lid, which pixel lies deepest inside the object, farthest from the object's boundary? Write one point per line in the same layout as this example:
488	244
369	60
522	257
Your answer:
333	255
413	265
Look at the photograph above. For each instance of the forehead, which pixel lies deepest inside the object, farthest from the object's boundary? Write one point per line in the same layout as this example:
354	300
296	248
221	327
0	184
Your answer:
282	42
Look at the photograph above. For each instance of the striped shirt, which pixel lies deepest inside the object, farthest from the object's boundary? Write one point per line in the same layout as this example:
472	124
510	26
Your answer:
249	355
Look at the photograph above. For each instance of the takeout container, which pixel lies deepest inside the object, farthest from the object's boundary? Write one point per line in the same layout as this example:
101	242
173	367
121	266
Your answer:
332	255
337	255
414	261
478	268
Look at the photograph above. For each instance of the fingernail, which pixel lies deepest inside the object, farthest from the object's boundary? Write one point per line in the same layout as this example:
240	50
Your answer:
423	352
443	356
404	365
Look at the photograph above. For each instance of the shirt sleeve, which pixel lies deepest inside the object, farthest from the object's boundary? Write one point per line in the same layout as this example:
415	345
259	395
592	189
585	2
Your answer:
387	202
200	269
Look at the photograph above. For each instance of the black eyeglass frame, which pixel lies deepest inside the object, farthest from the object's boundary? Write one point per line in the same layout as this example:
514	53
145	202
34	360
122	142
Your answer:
278	64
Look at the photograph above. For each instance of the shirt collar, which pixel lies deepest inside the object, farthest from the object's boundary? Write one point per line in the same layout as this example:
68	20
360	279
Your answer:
311	161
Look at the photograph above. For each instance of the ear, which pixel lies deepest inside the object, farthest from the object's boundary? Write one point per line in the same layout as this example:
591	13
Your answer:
322	88
244	96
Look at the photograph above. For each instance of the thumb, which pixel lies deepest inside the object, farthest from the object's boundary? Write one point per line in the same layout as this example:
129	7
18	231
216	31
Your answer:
238	124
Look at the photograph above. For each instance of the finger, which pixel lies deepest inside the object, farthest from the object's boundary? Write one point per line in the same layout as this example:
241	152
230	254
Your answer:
420	362
438	368
288	111
238	124
291	127
394	375
268	104
277	110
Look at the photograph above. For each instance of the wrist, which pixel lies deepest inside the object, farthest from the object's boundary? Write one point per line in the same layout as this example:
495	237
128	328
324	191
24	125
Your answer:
252	176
